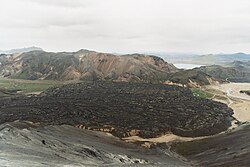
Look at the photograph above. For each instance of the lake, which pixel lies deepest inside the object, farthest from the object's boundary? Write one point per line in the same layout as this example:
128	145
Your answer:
187	66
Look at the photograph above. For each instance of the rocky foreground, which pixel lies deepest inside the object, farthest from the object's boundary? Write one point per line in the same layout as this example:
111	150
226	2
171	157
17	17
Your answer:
123	109
25	144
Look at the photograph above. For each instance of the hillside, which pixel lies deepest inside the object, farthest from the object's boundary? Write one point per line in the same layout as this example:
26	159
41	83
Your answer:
234	73
229	149
84	65
91	66
242	65
35	145
192	78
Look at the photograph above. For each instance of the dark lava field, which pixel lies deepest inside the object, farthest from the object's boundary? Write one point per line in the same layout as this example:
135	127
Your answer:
123	109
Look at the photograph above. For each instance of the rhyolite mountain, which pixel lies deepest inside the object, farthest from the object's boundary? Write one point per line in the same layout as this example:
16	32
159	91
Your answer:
84	65
90	65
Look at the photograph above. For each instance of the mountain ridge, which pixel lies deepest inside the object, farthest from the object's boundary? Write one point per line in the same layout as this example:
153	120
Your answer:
205	59
20	50
91	66
84	65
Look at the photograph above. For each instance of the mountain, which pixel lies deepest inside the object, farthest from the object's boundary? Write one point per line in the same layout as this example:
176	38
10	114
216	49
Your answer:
192	78
237	71
90	65
244	66
84	65
3	59
207	59
222	59
20	50
178	58
218	71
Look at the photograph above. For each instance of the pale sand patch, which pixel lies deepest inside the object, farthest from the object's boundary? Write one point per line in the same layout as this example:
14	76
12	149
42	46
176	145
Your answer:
162	139
35	93
239	102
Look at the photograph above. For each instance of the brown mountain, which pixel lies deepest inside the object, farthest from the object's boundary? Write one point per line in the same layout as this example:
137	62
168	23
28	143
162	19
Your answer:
85	65
90	66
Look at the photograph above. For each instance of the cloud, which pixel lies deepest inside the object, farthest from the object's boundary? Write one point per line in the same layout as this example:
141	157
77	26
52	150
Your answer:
126	25
62	3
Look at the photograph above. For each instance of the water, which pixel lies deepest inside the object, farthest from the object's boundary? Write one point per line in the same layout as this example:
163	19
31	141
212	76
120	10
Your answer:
187	66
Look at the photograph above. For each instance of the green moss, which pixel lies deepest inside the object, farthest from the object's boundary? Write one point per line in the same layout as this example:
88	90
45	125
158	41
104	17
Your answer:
202	94
27	86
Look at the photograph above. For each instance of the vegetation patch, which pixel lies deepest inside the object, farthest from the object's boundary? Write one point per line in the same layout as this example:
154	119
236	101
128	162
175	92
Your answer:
25	86
201	93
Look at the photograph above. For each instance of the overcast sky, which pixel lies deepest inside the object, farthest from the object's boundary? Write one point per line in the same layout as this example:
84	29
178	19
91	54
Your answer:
198	26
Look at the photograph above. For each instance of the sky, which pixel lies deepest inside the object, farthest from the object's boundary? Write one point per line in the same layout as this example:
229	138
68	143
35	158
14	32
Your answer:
124	26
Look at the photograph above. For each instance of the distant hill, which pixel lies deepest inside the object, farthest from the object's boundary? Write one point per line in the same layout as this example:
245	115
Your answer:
223	59
237	72
192	78
208	59
230	67
20	50
244	66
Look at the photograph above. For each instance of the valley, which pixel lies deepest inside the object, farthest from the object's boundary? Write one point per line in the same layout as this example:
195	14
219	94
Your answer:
148	113
124	83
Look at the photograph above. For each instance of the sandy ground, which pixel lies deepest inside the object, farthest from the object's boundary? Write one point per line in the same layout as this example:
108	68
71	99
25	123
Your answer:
162	139
239	102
